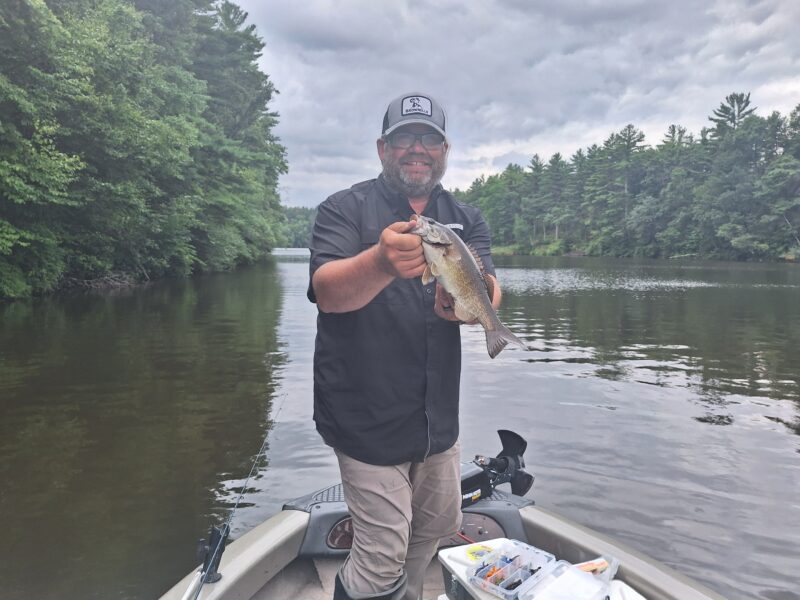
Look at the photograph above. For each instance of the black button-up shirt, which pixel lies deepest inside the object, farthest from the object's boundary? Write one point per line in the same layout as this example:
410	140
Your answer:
386	376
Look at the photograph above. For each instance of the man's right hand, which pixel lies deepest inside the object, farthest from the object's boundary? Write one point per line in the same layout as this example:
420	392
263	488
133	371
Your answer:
400	252
348	284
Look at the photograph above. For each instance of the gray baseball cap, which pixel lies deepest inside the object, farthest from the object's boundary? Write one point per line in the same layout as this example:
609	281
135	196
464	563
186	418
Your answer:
414	108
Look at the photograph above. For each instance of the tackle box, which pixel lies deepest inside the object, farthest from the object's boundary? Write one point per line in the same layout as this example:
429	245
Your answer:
565	581
512	570
493	568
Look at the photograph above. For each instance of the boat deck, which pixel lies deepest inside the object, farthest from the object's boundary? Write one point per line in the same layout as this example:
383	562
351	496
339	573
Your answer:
266	562
313	579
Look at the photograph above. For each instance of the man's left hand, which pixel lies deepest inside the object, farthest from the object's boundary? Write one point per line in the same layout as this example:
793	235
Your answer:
444	305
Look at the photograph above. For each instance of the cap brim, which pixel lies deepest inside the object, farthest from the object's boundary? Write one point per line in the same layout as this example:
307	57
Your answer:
427	122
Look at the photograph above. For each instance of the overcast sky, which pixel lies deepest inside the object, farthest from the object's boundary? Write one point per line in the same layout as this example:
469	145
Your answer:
516	77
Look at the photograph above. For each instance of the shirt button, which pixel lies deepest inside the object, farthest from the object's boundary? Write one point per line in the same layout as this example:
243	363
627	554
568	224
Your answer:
429	290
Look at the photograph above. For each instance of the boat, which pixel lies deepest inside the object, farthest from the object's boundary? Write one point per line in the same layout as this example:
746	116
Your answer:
297	552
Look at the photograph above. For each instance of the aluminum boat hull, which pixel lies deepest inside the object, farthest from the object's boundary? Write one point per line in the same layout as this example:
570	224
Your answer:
286	556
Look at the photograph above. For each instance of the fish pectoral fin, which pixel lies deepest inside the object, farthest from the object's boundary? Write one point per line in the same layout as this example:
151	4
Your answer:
428	276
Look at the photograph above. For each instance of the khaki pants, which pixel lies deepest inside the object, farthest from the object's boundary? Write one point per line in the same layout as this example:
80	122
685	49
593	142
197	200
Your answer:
399	514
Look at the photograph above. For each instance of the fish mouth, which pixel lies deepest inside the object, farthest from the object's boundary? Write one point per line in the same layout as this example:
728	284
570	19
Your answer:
426	229
423	224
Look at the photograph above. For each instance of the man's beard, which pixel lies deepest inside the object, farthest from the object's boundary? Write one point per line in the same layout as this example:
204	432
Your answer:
413	186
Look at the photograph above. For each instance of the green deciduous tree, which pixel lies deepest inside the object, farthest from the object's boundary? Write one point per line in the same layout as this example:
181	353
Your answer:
36	172
135	140
296	232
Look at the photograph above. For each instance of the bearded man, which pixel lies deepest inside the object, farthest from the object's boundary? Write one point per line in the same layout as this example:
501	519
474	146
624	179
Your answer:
387	361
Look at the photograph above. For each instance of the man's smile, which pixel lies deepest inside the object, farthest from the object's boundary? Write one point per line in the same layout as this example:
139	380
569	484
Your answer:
416	162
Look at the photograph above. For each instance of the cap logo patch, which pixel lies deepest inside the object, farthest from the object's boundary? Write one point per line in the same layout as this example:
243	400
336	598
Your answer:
416	105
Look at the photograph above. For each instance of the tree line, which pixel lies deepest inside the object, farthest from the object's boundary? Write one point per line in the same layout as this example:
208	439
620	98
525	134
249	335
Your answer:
299	223
136	141
732	193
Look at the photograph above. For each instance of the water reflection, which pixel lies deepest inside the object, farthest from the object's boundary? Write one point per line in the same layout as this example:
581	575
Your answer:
119	412
655	412
660	402
664	415
716	330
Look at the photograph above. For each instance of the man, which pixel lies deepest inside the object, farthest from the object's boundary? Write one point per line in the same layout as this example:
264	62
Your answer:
388	356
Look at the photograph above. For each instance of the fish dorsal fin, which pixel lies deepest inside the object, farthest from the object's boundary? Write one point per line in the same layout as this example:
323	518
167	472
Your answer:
477	258
487	281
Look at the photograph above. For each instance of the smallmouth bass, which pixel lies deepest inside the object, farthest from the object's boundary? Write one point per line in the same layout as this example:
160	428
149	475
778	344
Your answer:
454	266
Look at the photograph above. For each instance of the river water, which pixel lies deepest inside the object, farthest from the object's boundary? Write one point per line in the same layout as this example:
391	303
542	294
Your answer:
660	401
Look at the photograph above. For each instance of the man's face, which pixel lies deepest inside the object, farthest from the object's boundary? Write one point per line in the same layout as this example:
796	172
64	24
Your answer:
416	170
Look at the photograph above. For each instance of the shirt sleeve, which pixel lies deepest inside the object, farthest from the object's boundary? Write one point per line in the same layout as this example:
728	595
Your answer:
480	238
335	235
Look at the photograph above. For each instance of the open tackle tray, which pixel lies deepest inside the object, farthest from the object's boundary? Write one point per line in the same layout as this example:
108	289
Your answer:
565	581
511	568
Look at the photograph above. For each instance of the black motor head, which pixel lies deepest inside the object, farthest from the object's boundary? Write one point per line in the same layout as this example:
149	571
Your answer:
507	467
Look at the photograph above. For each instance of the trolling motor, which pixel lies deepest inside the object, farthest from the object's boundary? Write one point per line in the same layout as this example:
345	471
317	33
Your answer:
330	528
507	467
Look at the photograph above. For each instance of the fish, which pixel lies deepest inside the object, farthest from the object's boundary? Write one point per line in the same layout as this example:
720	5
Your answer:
456	268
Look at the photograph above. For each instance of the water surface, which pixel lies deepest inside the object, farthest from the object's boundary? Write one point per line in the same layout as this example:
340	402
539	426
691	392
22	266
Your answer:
661	402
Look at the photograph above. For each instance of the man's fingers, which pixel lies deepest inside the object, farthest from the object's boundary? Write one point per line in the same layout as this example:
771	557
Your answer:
406	242
443	297
402	257
411	266
444	304
396	255
400	250
397	236
409	256
402	226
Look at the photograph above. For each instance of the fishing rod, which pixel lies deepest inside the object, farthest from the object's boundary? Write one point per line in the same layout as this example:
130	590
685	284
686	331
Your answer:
211	552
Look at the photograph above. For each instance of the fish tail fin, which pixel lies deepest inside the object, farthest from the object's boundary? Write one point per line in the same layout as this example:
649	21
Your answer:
497	339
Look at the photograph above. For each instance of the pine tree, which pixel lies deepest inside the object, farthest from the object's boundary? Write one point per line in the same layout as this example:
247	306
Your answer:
731	113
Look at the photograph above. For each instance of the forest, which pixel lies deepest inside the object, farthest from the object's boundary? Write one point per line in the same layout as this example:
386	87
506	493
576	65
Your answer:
731	193
136	142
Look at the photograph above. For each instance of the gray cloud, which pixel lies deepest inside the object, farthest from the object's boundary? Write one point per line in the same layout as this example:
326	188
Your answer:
516	77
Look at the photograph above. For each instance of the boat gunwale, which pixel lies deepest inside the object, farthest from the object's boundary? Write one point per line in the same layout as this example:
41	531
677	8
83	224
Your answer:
576	543
254	559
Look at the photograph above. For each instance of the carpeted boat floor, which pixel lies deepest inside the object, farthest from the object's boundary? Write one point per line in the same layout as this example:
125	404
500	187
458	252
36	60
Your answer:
313	579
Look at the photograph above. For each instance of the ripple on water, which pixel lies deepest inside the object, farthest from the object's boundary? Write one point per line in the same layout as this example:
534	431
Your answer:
562	281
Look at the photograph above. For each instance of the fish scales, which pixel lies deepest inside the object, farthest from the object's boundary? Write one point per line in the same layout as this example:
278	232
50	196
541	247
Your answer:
453	265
